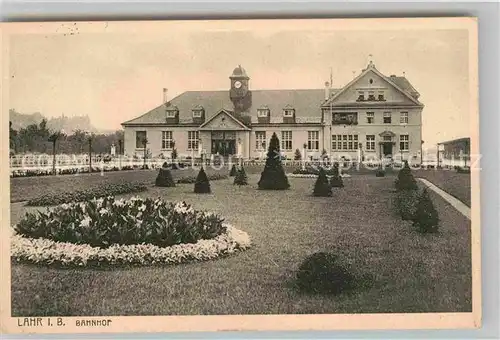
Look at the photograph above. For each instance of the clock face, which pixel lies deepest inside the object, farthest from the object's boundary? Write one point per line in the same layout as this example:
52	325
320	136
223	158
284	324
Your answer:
237	84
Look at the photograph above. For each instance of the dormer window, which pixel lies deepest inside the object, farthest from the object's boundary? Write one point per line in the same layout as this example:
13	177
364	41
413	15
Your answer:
263	111
381	96
288	111
198	111
172	111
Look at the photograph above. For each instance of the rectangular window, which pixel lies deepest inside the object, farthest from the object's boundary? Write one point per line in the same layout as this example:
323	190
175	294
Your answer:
193	138
167	140
260	140
345	142
361	96
286	140
288	113
140	138
404	142
371	95
403	118
171	114
381	96
387	118
370	142
370	117
313	140
334	142
196	113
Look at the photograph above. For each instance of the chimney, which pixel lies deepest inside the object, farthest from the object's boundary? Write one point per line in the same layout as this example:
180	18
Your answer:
393	76
165	95
327	90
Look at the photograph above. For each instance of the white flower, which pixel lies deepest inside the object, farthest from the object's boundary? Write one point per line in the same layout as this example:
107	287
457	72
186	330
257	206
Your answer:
103	211
65	206
85	222
142	207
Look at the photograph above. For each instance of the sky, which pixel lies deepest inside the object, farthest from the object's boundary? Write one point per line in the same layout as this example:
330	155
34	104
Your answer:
116	76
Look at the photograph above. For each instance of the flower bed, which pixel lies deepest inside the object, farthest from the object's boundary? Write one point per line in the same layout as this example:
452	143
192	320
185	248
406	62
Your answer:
134	231
192	179
44	251
292	175
82	195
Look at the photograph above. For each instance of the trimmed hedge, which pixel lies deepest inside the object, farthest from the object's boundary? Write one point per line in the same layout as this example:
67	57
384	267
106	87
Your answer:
192	179
87	194
324	273
164	179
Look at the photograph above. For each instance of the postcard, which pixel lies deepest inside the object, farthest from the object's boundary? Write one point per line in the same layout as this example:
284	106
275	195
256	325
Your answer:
271	174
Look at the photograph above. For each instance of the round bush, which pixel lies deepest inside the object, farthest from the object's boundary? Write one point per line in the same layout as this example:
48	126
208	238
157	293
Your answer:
323	273
106	221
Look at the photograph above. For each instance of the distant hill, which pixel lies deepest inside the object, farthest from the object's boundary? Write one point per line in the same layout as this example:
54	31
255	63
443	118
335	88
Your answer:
68	124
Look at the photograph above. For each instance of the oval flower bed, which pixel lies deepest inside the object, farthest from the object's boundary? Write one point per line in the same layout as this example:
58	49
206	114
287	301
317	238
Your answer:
134	231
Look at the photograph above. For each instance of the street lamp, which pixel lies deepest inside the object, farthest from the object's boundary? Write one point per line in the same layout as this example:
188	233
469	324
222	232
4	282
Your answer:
53	139
120	145
89	140
144	144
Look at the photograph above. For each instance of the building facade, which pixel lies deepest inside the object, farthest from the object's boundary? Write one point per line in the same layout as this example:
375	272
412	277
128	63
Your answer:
454	152
371	117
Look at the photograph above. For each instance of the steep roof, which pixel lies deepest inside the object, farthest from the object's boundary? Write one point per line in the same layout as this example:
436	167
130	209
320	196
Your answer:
307	105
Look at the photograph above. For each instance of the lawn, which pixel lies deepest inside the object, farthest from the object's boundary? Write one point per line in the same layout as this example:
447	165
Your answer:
456	184
411	272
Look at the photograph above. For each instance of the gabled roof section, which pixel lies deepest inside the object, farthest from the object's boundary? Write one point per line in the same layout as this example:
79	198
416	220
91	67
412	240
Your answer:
228	114
399	83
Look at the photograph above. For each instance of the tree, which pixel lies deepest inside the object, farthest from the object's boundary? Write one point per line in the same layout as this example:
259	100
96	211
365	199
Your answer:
164	178
322	187
241	177
233	171
273	177
12	138
202	185
426	218
297	156
405	180
336	179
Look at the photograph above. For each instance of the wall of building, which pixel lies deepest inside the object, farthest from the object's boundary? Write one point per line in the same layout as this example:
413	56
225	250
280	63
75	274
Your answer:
299	137
154	136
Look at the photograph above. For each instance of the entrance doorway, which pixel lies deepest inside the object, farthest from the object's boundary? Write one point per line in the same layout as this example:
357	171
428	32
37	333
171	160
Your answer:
387	149
223	143
223	147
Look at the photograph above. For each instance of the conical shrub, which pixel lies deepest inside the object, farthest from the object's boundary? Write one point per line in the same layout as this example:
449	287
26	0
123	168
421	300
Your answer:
405	180
426	218
336	179
164	178
322	188
241	177
273	177
202	185
233	171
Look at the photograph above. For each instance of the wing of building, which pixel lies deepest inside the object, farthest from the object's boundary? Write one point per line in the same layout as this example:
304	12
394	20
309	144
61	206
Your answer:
372	116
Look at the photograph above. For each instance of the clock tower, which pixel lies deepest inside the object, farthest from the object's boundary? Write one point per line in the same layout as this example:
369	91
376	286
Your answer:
240	94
